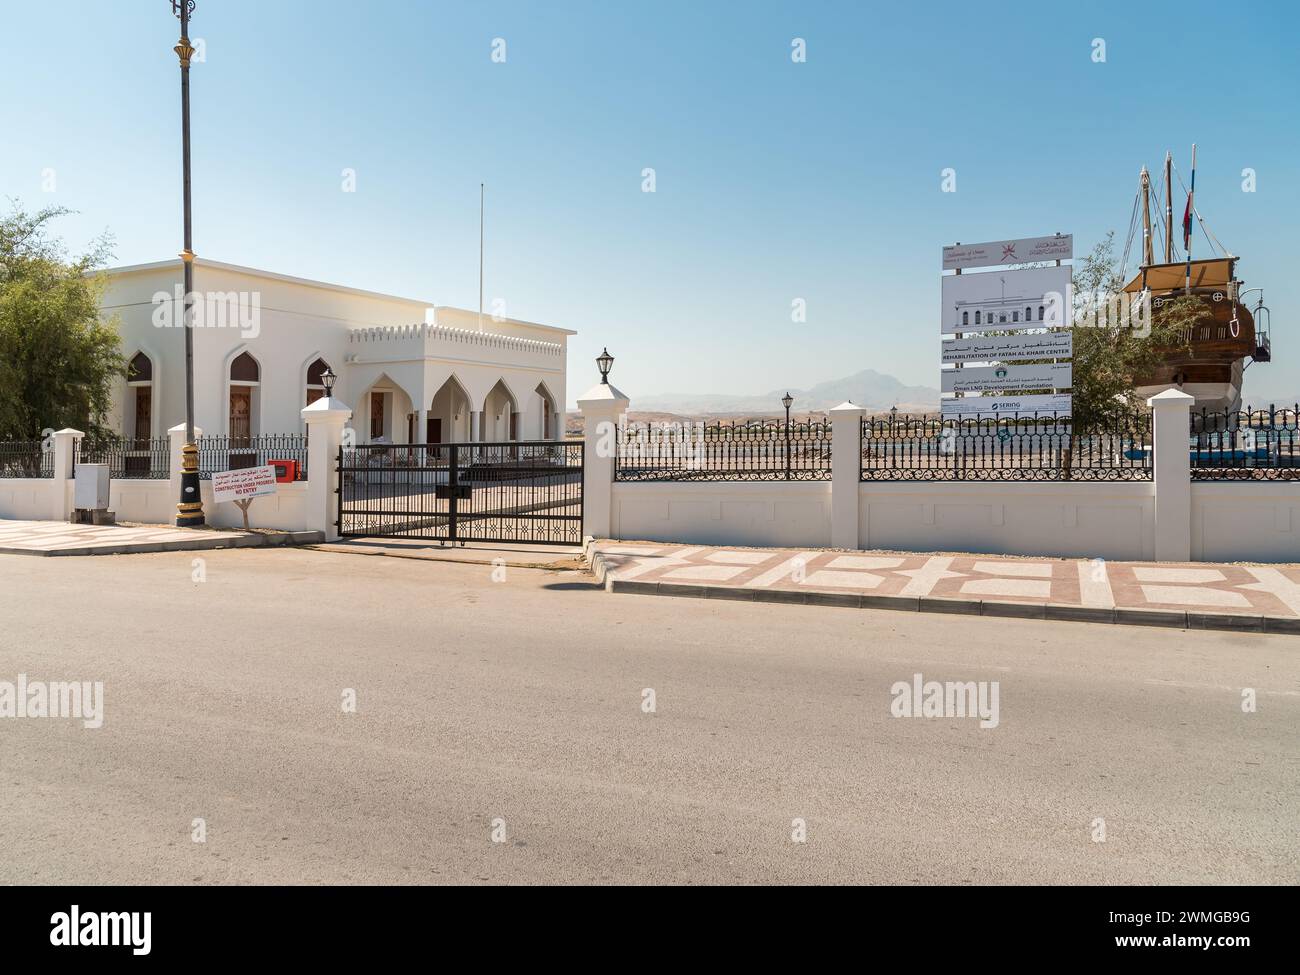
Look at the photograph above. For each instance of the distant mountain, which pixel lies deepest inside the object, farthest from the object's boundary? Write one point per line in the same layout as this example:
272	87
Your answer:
874	390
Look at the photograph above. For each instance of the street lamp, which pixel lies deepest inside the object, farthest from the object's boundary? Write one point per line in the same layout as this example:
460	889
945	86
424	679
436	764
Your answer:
604	362
787	401
189	509
327	379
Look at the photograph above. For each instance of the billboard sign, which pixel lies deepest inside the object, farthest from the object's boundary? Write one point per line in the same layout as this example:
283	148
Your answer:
1006	405
1003	301
1000	378
1027	250
1009	348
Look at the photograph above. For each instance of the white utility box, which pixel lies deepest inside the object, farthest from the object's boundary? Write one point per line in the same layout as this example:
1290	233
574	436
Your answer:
91	490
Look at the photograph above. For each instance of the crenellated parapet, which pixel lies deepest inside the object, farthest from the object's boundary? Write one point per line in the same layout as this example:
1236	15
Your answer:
443	340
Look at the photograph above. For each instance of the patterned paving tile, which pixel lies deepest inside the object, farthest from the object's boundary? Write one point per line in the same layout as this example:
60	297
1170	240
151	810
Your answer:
52	536
1245	589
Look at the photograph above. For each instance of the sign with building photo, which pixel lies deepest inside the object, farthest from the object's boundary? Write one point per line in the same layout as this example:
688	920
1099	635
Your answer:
1009	348
1002	301
1027	250
243	484
1006	378
1006	405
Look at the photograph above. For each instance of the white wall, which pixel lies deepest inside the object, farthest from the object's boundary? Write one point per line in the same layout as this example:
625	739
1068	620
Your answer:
1246	521
1081	519
153	502
786	513
30	498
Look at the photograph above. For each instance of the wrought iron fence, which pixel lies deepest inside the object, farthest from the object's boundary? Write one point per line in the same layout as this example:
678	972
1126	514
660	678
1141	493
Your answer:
1246	445
141	459
763	451
517	491
1037	447
223	453
26	458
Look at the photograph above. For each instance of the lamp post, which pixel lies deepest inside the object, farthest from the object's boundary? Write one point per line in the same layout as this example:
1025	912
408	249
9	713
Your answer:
787	401
189	509
604	362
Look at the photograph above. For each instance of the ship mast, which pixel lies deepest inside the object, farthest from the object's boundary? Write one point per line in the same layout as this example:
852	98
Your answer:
1148	257
1169	208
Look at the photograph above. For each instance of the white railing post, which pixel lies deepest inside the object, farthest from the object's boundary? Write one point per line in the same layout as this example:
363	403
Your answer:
846	474
65	444
1172	474
325	419
601	408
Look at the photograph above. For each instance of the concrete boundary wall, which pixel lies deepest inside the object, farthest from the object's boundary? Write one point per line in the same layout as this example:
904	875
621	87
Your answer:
1169	518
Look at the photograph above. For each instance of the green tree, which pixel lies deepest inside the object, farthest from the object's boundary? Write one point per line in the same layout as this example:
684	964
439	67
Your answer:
1112	358
59	357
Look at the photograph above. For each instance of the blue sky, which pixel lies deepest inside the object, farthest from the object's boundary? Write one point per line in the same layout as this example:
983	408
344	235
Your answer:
774	180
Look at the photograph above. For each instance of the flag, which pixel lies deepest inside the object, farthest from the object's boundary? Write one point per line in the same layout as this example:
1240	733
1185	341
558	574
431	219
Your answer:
1187	222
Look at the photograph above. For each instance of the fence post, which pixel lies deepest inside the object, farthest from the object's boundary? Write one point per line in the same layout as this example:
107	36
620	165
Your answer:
846	474
65	443
1172	474
325	419
601	408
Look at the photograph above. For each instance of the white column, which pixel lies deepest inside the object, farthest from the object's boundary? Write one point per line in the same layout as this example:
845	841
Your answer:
64	444
601	409
422	431
325	421
1172	475
175	443
846	474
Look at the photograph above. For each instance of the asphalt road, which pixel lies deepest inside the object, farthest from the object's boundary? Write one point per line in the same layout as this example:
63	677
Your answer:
521	702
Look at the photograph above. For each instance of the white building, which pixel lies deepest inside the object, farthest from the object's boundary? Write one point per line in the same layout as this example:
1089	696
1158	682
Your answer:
413	372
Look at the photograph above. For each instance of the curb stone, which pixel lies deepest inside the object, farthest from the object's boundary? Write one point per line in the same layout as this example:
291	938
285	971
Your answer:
942	604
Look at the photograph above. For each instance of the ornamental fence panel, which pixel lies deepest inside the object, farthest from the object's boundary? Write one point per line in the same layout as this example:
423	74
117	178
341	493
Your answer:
1246	445
140	459
225	453
703	451
26	458
1019	447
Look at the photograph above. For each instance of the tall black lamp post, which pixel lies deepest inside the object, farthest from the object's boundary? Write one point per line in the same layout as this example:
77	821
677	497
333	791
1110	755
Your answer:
189	509
787	401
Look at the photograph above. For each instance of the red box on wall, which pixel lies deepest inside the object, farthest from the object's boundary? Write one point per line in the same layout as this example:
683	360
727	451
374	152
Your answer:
286	471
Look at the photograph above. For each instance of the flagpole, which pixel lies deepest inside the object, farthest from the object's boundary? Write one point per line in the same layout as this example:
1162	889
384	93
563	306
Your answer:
1187	223
480	257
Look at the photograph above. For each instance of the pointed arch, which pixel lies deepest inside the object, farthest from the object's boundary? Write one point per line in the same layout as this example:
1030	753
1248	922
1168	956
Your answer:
241	416
448	416
141	396
550	424
382	409
500	413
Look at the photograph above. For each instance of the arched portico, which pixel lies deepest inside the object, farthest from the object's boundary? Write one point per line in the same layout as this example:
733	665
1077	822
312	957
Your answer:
382	412
500	414
447	420
550	423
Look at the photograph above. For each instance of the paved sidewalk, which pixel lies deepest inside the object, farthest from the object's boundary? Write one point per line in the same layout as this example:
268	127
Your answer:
63	538
1246	597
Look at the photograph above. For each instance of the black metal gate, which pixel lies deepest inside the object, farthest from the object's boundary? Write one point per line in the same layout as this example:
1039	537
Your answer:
512	491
